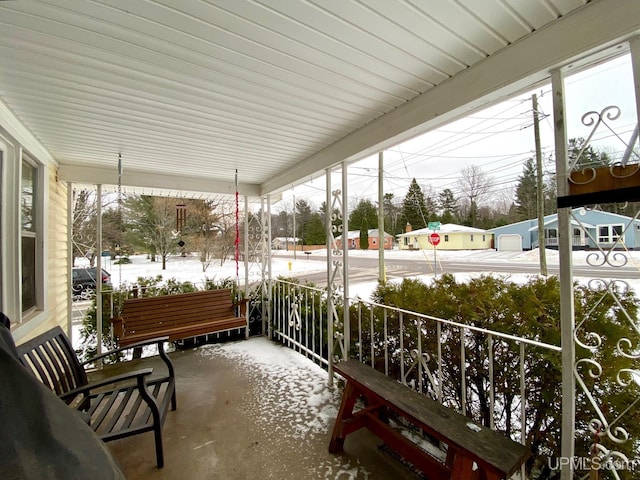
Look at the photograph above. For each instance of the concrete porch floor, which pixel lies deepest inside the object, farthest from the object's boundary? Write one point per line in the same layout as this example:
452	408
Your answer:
253	409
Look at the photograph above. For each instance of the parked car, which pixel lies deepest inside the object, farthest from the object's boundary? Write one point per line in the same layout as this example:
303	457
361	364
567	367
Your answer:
84	281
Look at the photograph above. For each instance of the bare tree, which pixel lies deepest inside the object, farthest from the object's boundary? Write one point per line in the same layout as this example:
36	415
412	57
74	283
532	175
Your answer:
475	187
85	211
226	236
203	228
152	223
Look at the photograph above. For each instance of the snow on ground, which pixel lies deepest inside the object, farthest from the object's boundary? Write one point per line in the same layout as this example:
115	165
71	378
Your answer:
280	372
290	395
189	268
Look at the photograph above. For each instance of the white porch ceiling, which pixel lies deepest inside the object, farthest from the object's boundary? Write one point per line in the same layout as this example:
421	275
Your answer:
189	91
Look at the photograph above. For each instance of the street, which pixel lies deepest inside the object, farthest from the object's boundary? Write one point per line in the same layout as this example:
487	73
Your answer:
365	269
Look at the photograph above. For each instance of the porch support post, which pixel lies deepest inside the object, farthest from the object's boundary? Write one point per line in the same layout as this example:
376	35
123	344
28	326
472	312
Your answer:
99	269
345	266
267	285
70	259
567	320
328	224
382	240
634	45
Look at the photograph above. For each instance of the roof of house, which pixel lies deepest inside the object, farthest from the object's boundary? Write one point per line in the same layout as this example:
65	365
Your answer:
444	228
372	233
285	239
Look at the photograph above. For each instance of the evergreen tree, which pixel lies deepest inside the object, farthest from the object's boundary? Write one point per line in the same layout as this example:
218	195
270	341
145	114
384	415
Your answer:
585	156
364	238
414	208
365	215
527	192
448	206
303	215
432	209
315	231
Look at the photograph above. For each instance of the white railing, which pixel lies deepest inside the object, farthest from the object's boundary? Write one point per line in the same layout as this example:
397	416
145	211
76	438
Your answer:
487	375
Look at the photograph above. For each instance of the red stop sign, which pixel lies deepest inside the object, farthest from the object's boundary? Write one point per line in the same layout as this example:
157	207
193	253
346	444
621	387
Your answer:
434	239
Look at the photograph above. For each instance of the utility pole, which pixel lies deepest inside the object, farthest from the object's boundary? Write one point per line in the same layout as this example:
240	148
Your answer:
295	239
540	188
382	274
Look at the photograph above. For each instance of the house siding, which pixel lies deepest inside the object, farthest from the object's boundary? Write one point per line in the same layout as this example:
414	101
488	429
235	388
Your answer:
450	239
353	239
58	254
55	311
585	221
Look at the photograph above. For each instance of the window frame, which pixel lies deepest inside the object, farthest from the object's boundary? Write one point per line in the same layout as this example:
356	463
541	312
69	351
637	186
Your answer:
33	233
611	236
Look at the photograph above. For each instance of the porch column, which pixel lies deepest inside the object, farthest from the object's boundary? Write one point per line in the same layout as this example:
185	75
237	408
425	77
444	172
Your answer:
346	317
567	321
267	280
634	47
99	270
70	259
382	239
335	270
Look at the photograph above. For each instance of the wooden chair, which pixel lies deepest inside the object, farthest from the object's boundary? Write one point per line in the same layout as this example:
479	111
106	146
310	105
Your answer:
115	407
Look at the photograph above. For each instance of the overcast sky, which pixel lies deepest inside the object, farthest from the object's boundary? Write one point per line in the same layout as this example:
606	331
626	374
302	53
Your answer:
498	140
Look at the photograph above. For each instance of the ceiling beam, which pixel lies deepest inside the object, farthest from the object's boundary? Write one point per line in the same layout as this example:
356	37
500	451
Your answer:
155	181
594	27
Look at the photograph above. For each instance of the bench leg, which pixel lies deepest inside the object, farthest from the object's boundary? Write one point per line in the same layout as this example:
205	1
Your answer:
349	397
462	468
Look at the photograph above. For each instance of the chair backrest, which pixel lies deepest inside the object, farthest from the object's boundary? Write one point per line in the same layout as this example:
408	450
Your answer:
51	358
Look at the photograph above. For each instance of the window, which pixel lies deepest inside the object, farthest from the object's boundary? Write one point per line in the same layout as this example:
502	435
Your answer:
484	238
1	232
472	238
28	220
609	233
446	238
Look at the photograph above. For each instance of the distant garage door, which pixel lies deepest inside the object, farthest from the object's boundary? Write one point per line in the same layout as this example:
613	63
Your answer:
510	243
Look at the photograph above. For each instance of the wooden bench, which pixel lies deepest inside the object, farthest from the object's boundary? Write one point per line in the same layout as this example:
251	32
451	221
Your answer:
180	316
496	456
114	407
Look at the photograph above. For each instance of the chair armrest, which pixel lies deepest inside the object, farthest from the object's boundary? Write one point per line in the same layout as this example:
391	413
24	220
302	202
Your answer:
242	304
158	340
106	381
